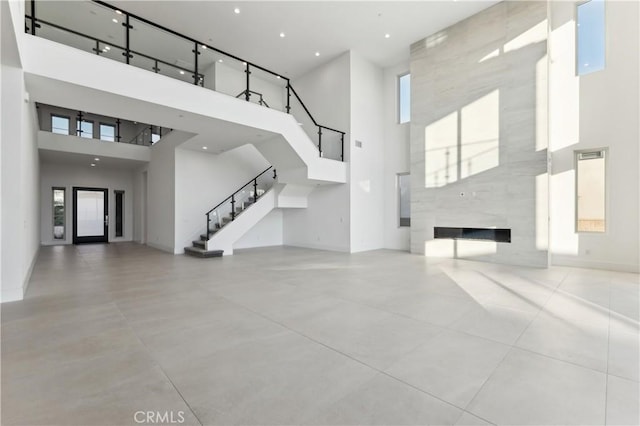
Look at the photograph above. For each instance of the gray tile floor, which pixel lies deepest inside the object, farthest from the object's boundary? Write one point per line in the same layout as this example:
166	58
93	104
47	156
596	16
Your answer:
295	336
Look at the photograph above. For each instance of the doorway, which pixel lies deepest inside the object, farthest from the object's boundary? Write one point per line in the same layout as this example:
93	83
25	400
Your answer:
90	215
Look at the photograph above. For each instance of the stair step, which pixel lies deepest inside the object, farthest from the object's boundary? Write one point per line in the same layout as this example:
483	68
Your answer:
199	252
200	243
203	237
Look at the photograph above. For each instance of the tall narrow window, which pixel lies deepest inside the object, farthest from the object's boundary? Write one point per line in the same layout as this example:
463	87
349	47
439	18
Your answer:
58	213
404	98
119	213
404	199
85	129
107	132
590	191
155	137
59	124
590	33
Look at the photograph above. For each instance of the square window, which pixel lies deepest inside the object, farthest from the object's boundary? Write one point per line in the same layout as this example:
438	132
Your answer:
59	124
85	129
107	132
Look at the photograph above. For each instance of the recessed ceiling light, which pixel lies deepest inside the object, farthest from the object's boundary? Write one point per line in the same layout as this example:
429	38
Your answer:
244	63
387	35
220	60
115	20
93	165
282	35
96	159
236	10
118	12
204	47
317	53
107	47
278	77
181	72
204	147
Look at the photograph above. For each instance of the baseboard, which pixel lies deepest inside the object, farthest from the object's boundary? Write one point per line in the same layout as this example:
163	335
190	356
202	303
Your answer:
161	247
318	247
27	278
12	295
560	260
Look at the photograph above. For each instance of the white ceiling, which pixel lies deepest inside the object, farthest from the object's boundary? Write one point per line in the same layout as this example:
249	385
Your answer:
85	160
328	27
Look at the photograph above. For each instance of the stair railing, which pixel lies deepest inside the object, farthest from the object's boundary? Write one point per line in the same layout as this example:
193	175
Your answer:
192	70
261	100
234	198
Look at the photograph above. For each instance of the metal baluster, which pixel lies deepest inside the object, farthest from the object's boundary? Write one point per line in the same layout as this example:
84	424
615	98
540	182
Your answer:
233	207
247	94
320	140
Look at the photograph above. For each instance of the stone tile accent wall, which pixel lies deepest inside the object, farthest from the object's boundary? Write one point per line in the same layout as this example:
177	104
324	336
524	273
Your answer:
479	134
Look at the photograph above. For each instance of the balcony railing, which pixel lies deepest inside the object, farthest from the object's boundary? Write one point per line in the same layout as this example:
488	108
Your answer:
105	30
95	126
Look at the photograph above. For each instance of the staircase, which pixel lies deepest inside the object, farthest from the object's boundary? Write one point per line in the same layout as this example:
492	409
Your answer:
235	205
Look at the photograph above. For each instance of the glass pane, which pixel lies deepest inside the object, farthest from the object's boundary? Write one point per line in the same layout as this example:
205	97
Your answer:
90	213
223	74
303	119
85	17
59	125
267	89
58	214
107	132
158	44
85	129
331	144
404	98
112	52
65	37
591	29
591	194
404	191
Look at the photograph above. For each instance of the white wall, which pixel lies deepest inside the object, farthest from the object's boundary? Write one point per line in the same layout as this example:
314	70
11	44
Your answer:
597	110
69	176
366	162
396	159
267	232
19	224
204	180
325	223
161	190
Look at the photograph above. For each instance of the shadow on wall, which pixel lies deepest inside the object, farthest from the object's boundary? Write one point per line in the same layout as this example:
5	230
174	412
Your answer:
479	125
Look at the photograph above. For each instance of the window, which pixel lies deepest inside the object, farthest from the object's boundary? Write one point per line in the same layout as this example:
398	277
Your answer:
119	213
590	191
59	124
58	213
107	132
404	199
404	98
590	37
155	137
85	129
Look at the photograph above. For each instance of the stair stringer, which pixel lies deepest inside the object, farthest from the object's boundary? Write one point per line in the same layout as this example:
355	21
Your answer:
233	231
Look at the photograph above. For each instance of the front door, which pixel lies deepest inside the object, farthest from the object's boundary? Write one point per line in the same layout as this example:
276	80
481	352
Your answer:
90	215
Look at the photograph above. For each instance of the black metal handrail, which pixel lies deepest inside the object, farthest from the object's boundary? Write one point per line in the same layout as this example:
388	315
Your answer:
198	78
232	197
251	92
